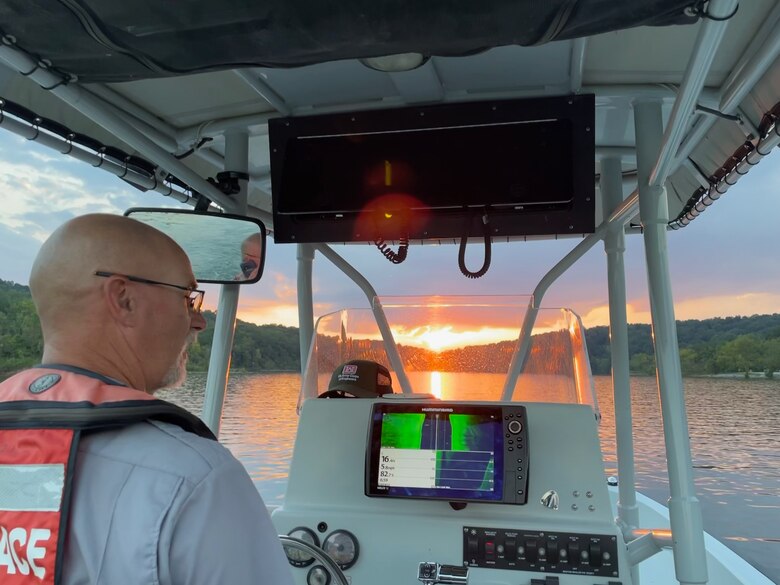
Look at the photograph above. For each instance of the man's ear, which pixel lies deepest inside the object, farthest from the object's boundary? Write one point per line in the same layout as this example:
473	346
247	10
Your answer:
121	301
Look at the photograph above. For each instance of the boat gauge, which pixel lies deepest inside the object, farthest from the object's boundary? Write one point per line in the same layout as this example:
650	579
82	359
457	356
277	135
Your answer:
318	575
299	558
342	547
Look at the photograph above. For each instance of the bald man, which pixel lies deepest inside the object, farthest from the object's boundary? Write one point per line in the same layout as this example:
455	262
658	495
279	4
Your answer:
251	257
111	485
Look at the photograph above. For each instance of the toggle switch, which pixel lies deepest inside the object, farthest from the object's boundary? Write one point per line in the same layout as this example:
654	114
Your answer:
510	549
531	550
552	551
573	552
490	549
595	554
472	546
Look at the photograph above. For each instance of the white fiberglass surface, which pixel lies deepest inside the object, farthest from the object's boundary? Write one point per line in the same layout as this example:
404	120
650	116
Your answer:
733	424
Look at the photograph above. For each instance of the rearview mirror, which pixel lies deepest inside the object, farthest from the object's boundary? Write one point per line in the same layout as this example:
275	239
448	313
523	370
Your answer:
223	248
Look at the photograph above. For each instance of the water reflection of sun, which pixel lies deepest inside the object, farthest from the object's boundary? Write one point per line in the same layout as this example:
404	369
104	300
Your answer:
436	384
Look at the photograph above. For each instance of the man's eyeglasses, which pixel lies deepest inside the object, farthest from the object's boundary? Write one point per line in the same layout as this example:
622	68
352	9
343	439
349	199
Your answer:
194	299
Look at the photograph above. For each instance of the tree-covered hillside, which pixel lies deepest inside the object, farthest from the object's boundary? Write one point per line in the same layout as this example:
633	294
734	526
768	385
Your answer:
255	348
711	346
21	343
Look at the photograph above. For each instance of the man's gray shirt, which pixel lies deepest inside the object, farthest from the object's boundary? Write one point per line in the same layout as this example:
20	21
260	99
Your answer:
154	504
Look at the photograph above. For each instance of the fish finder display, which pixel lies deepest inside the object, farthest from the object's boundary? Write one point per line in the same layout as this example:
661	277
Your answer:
439	451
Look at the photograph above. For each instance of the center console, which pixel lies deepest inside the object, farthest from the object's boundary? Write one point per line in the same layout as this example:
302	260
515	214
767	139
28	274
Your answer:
409	490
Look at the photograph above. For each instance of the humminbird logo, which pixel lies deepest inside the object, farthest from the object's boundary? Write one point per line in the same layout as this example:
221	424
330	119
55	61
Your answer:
437	410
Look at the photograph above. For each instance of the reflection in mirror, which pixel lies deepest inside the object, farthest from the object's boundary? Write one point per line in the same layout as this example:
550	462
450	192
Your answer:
222	248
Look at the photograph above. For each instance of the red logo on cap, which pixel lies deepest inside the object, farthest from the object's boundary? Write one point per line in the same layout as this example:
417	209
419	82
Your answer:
349	370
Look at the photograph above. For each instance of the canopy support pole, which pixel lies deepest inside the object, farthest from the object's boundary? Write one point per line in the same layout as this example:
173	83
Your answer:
754	63
707	42
619	217
236	159
615	246
379	313
684	510
305	256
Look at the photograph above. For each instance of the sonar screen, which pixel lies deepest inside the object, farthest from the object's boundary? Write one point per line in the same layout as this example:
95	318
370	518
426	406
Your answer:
453	452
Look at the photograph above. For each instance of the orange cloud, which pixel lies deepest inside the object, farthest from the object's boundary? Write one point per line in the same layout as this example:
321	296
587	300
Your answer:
267	312
284	288
600	315
274	311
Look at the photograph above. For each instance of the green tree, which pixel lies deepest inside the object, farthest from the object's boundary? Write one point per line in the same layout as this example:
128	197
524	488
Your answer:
741	354
21	342
689	362
643	364
771	357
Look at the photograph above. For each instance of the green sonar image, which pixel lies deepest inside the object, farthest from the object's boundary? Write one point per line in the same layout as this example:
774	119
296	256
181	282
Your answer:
402	430
463	444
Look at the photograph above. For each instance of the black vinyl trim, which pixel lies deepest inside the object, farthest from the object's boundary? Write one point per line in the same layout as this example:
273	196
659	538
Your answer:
94	27
87	416
558	22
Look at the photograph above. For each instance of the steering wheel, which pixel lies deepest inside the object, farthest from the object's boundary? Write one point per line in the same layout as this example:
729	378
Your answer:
318	554
336	394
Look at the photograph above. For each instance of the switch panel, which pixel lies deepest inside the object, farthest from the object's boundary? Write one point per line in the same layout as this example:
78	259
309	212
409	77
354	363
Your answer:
544	552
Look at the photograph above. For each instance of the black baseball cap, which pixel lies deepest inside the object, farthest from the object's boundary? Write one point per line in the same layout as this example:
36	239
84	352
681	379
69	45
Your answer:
362	379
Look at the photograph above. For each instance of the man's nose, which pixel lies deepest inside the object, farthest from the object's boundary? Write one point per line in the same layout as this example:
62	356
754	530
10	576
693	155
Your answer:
197	321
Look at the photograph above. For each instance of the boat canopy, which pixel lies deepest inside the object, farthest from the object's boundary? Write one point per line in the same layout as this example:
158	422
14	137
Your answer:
185	74
115	40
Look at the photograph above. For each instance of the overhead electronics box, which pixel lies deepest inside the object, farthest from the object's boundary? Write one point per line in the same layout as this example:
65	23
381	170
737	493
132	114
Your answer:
435	172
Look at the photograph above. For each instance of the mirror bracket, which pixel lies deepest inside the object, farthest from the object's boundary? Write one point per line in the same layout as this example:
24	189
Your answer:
228	181
202	202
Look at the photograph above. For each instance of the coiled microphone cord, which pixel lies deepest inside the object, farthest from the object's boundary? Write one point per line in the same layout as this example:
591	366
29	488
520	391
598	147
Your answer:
389	253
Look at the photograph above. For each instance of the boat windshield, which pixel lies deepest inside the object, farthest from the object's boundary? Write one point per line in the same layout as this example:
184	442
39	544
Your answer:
459	348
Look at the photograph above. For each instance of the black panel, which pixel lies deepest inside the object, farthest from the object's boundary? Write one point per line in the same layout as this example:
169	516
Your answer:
123	40
543	552
433	172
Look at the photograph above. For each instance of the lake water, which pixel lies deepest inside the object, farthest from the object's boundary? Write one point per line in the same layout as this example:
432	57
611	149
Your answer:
734	426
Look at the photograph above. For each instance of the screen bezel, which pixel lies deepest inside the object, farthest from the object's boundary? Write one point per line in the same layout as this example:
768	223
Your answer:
449	495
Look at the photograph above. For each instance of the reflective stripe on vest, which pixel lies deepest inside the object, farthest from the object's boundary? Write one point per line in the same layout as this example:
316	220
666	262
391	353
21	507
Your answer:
42	413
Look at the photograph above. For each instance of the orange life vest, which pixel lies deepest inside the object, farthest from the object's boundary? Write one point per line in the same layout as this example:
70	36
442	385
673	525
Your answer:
43	412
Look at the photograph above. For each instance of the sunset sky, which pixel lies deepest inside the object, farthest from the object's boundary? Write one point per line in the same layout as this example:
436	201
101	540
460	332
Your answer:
725	263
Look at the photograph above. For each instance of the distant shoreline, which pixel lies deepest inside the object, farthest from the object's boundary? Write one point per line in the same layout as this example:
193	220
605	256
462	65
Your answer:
750	376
